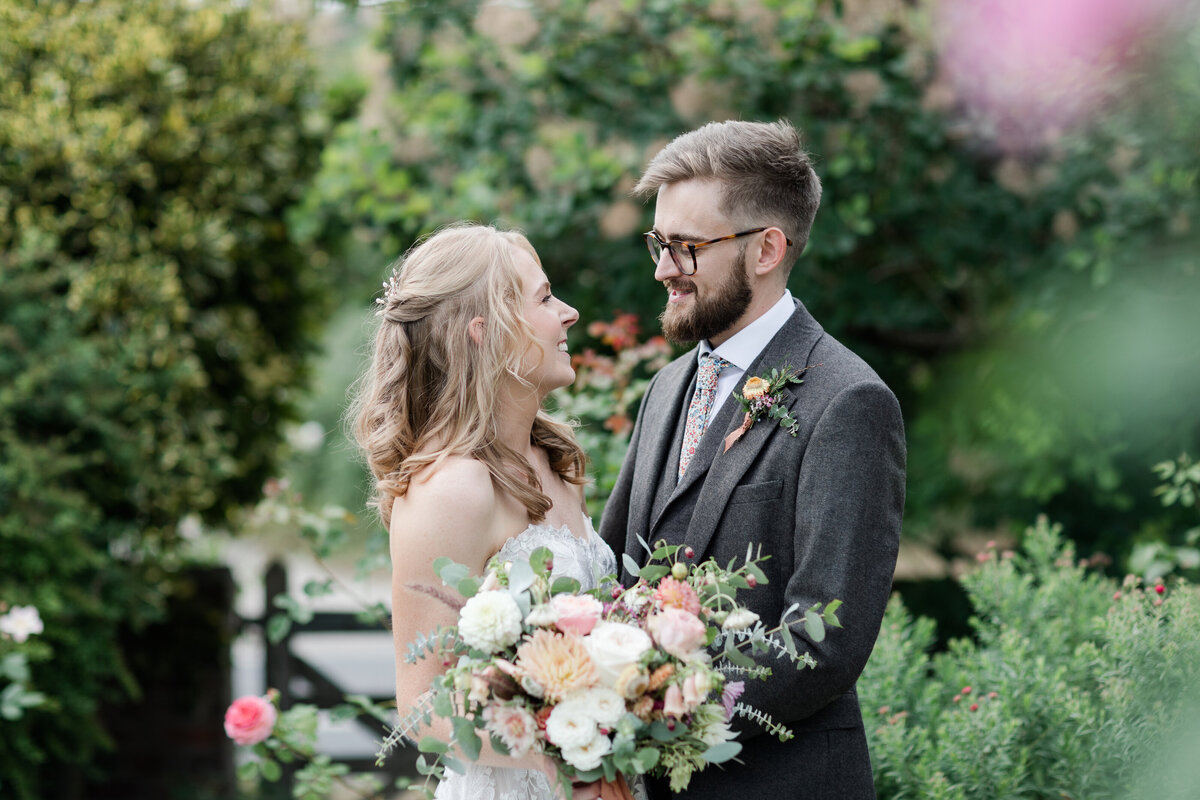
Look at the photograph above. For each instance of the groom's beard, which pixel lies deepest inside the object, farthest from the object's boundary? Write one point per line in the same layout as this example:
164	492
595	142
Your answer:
708	316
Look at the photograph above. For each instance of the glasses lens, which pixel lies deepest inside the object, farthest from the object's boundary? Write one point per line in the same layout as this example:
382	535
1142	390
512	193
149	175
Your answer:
654	246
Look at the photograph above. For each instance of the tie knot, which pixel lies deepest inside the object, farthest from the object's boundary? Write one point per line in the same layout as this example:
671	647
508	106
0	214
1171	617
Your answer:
711	366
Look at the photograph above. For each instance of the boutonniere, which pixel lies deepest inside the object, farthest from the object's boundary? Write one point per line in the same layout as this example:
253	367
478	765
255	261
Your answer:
763	395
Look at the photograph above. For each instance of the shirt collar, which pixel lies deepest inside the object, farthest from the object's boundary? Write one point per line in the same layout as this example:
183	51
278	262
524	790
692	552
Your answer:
744	346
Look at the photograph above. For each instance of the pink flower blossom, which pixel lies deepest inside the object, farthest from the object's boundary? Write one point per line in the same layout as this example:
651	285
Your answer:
513	725
678	632
250	720
673	704
577	614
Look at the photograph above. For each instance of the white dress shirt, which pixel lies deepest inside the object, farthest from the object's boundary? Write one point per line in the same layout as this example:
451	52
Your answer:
743	347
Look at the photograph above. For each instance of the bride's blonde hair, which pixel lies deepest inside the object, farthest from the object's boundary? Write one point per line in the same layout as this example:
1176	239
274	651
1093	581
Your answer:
431	391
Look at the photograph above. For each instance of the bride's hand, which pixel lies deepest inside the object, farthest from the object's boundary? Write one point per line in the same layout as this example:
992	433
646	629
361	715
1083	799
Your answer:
602	790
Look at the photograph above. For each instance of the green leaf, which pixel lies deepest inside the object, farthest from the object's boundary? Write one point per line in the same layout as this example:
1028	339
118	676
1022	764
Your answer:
271	770
630	565
758	574
468	587
432	744
539	558
564	585
660	731
247	771
278	627
830	614
789	644
464	734
647	758
736	656
520	576
814	625
722	752
653	572
342	713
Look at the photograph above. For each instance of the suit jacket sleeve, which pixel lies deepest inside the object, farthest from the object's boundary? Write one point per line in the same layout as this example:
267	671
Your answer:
849	504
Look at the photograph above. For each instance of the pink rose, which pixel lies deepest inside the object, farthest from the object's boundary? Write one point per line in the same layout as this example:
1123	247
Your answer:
250	720
678	632
577	614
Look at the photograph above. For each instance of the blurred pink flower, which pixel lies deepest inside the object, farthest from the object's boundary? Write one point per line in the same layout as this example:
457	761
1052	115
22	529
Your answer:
576	613
1027	69
250	720
678	632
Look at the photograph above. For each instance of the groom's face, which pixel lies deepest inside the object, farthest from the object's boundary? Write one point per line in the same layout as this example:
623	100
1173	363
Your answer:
711	303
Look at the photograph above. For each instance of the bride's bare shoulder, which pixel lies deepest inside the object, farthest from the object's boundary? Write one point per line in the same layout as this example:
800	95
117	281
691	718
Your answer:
458	486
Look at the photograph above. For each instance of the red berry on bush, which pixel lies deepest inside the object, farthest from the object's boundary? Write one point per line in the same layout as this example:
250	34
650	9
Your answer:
1160	588
689	552
974	706
752	581
966	690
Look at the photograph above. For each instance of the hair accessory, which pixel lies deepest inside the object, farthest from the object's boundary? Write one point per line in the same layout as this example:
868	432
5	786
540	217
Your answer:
391	292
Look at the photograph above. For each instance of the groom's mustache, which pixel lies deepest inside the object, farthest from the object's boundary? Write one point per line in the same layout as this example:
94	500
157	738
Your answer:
679	285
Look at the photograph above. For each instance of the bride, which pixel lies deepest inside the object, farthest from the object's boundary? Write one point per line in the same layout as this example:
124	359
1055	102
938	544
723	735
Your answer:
465	461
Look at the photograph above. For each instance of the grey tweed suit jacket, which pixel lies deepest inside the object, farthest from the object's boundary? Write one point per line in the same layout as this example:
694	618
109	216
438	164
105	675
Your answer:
826	505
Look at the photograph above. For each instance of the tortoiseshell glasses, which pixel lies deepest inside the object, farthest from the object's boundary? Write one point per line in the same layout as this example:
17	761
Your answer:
678	248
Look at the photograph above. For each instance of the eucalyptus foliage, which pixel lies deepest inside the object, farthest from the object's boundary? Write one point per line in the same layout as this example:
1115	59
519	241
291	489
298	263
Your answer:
154	318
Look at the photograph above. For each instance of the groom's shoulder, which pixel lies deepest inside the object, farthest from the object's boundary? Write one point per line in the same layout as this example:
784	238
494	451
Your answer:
840	367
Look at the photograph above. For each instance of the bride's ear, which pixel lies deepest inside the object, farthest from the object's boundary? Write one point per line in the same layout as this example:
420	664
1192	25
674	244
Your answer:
475	330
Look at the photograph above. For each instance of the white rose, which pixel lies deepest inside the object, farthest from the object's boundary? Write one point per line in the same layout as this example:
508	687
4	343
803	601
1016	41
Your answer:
571	725
739	620
490	621
604	705
588	756
613	646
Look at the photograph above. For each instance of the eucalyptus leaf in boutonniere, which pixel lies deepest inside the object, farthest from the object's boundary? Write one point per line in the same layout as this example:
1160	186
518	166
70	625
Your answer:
763	395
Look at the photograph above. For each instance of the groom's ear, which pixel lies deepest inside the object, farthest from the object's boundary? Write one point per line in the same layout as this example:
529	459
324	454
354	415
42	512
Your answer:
771	251
475	330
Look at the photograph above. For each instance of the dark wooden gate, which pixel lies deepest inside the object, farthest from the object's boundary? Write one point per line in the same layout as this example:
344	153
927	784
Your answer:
283	666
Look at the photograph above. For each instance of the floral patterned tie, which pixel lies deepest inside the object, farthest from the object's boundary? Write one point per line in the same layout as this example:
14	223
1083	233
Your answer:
698	411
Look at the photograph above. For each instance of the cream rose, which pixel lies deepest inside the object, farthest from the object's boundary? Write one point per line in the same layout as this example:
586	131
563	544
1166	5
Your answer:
490	621
614	646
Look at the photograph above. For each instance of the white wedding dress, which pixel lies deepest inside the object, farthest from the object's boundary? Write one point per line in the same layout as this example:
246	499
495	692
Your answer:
585	560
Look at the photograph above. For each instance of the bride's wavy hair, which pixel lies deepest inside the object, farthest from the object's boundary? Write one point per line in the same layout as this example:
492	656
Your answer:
431	391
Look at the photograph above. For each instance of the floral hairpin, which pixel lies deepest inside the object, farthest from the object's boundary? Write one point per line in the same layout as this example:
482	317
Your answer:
391	291
764	395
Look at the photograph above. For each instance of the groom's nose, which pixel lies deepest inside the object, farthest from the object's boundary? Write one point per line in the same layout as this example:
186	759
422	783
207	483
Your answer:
667	268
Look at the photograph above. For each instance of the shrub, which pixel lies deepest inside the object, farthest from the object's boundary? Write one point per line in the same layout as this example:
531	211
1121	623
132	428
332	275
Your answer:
154	319
1073	686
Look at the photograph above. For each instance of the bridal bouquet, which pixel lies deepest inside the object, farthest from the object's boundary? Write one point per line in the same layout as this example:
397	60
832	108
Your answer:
614	680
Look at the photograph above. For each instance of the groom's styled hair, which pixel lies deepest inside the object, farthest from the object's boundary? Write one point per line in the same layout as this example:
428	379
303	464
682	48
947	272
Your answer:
767	176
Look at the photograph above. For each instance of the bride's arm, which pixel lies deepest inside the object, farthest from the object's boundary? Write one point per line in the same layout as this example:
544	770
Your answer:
452	512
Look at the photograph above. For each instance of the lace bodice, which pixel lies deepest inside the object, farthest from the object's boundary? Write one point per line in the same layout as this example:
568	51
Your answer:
585	560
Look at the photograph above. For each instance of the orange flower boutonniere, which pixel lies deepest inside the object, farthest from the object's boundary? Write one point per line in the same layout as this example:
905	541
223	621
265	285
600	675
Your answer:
763	395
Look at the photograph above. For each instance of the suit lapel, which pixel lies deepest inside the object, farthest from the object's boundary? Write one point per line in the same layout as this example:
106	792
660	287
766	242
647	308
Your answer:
721	471
658	436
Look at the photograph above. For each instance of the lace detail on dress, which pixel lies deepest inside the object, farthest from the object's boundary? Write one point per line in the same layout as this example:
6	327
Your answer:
585	560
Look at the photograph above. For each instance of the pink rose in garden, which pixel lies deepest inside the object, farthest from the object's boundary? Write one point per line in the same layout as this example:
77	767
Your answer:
576	613
250	720
676	631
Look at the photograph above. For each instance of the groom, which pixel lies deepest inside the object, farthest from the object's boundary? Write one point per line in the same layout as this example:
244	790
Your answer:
735	203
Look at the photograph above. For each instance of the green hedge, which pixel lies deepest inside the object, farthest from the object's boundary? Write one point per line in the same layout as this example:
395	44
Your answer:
1073	686
154	318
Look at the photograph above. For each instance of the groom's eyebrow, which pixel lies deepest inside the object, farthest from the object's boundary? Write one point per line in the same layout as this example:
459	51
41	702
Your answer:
679	236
